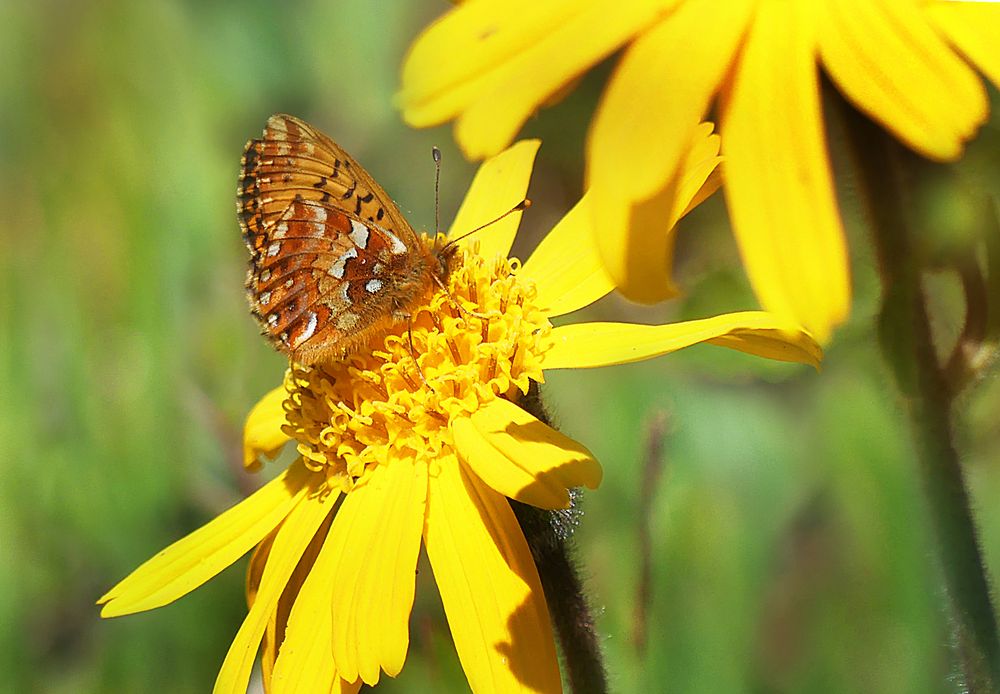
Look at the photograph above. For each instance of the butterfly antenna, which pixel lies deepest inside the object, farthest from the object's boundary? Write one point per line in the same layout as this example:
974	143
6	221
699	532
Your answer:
519	207
436	153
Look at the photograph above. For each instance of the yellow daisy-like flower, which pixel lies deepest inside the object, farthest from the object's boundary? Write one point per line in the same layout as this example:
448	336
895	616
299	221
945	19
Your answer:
902	62
395	452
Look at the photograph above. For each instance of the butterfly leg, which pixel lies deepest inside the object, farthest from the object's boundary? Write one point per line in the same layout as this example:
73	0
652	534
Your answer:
413	351
451	299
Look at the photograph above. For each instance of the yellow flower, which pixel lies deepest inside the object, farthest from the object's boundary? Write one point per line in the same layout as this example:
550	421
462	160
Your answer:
396	450
899	61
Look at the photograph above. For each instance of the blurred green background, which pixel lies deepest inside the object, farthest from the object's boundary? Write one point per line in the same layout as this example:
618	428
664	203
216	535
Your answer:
789	548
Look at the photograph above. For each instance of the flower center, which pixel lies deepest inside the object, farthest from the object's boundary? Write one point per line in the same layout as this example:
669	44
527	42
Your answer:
379	402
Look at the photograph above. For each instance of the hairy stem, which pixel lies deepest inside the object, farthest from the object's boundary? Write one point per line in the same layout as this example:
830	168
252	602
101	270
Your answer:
907	344
548	534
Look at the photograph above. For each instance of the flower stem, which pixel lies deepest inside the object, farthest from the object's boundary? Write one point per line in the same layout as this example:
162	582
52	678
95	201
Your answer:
907	344
548	534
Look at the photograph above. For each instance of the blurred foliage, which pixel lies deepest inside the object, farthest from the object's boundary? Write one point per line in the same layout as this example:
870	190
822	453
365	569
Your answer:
790	550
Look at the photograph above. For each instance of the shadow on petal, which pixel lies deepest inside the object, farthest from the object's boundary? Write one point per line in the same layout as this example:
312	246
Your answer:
581	470
490	588
522	652
522	457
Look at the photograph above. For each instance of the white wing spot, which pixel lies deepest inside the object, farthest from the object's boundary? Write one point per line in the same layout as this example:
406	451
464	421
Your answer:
373	286
398	247
317	213
359	234
272	319
280	230
289	282
265	298
337	269
310	329
344	286
273	250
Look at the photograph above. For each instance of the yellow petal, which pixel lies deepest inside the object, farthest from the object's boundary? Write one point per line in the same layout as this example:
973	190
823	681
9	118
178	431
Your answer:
273	630
436	86
887	60
376	538
586	345
525	82
338	686
290	542
189	562
255	568
696	181
522	457
489	586
643	127
513	58
651	221
499	185
274	634
973	28
778	181
305	661
566	267
262	434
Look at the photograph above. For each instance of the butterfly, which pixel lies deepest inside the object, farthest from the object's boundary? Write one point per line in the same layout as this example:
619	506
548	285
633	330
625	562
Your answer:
333	262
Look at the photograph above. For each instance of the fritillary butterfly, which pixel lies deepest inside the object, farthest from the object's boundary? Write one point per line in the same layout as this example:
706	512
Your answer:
332	260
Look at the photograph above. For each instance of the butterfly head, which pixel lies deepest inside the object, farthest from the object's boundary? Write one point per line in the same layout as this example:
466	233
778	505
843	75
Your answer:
445	258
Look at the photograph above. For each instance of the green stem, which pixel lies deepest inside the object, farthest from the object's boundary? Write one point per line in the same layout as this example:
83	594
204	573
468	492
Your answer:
907	344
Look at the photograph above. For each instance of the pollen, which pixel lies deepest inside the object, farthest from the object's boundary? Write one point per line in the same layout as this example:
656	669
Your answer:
481	339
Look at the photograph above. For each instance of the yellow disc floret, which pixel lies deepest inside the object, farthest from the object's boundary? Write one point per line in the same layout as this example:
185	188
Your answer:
481	339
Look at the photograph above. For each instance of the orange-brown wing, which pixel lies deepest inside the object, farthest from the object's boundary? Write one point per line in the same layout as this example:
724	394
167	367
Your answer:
327	245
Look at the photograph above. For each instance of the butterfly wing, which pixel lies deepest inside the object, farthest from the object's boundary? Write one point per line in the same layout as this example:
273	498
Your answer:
330	253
